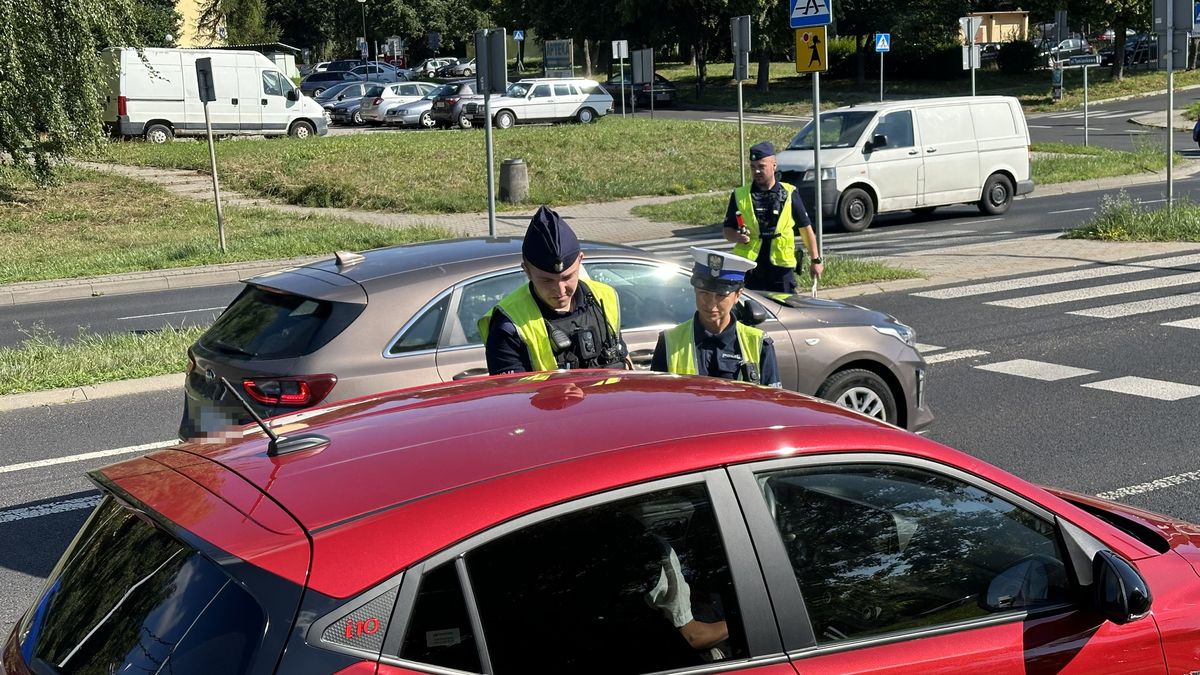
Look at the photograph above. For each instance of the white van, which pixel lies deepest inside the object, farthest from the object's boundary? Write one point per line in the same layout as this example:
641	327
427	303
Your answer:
913	155
158	99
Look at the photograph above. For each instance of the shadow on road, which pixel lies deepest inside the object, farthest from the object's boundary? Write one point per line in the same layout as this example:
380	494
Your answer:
33	545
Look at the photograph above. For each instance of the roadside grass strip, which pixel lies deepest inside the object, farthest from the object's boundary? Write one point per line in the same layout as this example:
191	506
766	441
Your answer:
93	223
44	361
1120	218
445	171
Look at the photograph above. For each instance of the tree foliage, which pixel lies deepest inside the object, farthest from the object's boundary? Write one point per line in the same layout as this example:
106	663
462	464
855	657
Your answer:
155	21
244	21
53	78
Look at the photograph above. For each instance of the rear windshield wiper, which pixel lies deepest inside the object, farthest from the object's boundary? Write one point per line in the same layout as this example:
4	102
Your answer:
228	348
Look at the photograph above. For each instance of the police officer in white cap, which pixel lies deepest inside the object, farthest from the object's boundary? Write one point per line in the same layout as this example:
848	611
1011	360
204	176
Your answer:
714	342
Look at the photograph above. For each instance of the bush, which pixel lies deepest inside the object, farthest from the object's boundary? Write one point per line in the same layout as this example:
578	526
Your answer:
936	62
1017	57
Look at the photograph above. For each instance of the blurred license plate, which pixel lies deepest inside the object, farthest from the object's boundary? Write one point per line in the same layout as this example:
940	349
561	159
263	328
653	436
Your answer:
439	104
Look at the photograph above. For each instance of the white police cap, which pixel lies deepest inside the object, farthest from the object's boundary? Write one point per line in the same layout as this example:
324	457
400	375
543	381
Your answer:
718	271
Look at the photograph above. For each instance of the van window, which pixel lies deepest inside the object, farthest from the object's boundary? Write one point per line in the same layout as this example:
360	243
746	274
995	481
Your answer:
272	83
993	120
945	124
898	127
839	129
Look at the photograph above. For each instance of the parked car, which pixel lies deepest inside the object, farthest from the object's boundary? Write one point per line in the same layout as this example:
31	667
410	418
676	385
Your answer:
378	100
341	92
544	100
343	64
415	114
316	83
591	522
1138	49
429	66
407	315
1068	48
347	112
379	72
664	90
463	69
447	110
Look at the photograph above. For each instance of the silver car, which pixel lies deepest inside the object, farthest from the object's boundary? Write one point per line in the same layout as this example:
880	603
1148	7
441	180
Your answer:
415	114
406	315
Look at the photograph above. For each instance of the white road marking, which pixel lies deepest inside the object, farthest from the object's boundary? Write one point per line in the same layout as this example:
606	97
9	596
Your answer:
1161	390
1156	484
1090	292
47	509
925	349
954	356
1089	128
145	447
1036	370
1140	307
1040	126
1185	323
942	249
182	311
1086	208
1061	277
1151	201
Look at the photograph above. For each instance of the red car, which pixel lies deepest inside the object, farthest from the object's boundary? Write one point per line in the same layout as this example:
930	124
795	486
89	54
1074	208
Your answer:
603	522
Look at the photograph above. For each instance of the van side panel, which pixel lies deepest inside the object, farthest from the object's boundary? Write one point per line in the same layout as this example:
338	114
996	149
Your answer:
895	170
1003	145
153	89
951	154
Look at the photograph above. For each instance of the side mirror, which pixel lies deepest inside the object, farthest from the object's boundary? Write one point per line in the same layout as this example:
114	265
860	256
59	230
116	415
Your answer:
1120	593
750	312
292	95
341	97
877	141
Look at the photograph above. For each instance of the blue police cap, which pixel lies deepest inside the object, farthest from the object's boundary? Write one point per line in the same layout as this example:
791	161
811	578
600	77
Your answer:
718	271
550	244
761	150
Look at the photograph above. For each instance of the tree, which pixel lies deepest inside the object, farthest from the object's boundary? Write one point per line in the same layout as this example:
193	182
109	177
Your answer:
53	77
244	21
155	21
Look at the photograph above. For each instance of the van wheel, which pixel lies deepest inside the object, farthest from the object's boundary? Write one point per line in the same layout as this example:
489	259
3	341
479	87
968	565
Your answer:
427	121
159	134
586	116
301	129
856	210
862	391
504	120
997	195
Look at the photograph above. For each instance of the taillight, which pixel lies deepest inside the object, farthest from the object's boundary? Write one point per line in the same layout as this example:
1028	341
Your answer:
122	105
304	390
377	101
452	100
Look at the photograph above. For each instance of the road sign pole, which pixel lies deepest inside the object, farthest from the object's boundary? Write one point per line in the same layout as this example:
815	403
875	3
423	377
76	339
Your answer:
622	60
817	208
741	137
881	77
1085	106
212	163
1170	110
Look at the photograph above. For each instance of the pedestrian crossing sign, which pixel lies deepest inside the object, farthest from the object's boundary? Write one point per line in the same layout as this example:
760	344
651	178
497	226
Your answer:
883	42
811	51
810	13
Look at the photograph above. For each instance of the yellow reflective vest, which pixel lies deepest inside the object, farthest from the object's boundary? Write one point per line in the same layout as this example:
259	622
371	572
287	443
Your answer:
783	247
522	309
681	347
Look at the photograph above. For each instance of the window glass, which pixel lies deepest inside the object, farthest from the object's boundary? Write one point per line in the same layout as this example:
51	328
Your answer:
271	84
541	91
897	126
439	631
410	90
562	90
477	299
424	332
878	549
265	324
651	295
838	130
616	589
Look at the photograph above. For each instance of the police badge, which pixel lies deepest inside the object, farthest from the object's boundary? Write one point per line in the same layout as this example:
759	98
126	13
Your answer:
715	264
558	266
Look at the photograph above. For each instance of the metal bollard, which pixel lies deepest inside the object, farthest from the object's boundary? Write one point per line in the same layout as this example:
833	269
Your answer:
514	180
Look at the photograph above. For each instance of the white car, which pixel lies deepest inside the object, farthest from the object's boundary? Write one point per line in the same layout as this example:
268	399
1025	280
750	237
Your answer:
379	99
545	100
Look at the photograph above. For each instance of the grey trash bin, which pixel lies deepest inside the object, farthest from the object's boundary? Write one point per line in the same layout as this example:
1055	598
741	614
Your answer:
514	180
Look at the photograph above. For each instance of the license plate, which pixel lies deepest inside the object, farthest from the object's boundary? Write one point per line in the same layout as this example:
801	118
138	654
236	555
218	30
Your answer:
439	104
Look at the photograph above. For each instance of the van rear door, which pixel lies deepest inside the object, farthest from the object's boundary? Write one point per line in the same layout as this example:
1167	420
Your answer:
951	154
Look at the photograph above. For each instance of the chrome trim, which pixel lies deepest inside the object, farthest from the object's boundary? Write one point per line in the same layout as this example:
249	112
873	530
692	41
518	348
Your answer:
417	316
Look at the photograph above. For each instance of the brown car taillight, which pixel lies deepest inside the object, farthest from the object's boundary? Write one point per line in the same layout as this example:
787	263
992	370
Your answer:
122	105
291	391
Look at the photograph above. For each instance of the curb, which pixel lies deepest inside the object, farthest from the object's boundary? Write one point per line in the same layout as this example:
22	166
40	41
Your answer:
94	392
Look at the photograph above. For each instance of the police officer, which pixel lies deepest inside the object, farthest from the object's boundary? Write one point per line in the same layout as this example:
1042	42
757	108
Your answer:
767	214
713	342
556	320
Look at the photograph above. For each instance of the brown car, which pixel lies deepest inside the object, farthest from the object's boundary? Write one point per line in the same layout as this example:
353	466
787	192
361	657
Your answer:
406	315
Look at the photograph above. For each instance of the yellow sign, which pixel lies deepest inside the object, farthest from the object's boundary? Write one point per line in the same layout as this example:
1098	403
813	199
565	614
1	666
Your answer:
811	52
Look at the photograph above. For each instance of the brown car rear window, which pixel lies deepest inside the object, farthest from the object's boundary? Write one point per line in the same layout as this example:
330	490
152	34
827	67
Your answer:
263	324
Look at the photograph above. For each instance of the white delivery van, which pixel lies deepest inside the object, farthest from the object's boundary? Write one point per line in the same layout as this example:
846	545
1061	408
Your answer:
158	98
913	155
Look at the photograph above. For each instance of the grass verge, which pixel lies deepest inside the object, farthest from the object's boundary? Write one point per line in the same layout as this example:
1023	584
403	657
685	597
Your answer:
444	172
92	223
1054	163
847	271
46	362
1120	218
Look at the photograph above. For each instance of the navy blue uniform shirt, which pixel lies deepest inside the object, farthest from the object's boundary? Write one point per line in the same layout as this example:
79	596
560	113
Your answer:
767	204
720	355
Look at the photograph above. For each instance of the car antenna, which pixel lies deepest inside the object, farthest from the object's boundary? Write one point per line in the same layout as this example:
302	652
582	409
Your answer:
279	445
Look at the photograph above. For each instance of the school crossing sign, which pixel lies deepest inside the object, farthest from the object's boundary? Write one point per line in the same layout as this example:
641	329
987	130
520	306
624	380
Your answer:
806	13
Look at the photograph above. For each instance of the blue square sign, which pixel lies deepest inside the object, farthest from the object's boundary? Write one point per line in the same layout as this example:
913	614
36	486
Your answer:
883	42
806	13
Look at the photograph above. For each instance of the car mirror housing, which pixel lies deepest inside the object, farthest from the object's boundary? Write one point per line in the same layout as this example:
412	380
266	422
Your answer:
1120	593
750	313
877	141
292	95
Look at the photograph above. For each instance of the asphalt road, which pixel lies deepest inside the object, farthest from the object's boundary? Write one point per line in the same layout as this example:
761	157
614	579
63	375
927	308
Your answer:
1109	126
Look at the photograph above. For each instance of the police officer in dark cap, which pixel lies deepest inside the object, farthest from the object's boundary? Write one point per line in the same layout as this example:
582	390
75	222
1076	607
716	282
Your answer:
762	222
556	320
713	342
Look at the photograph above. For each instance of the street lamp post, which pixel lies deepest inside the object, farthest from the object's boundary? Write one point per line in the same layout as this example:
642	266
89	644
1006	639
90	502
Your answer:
366	45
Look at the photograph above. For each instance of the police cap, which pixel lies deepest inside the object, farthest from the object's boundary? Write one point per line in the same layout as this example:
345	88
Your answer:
550	244
717	271
761	151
